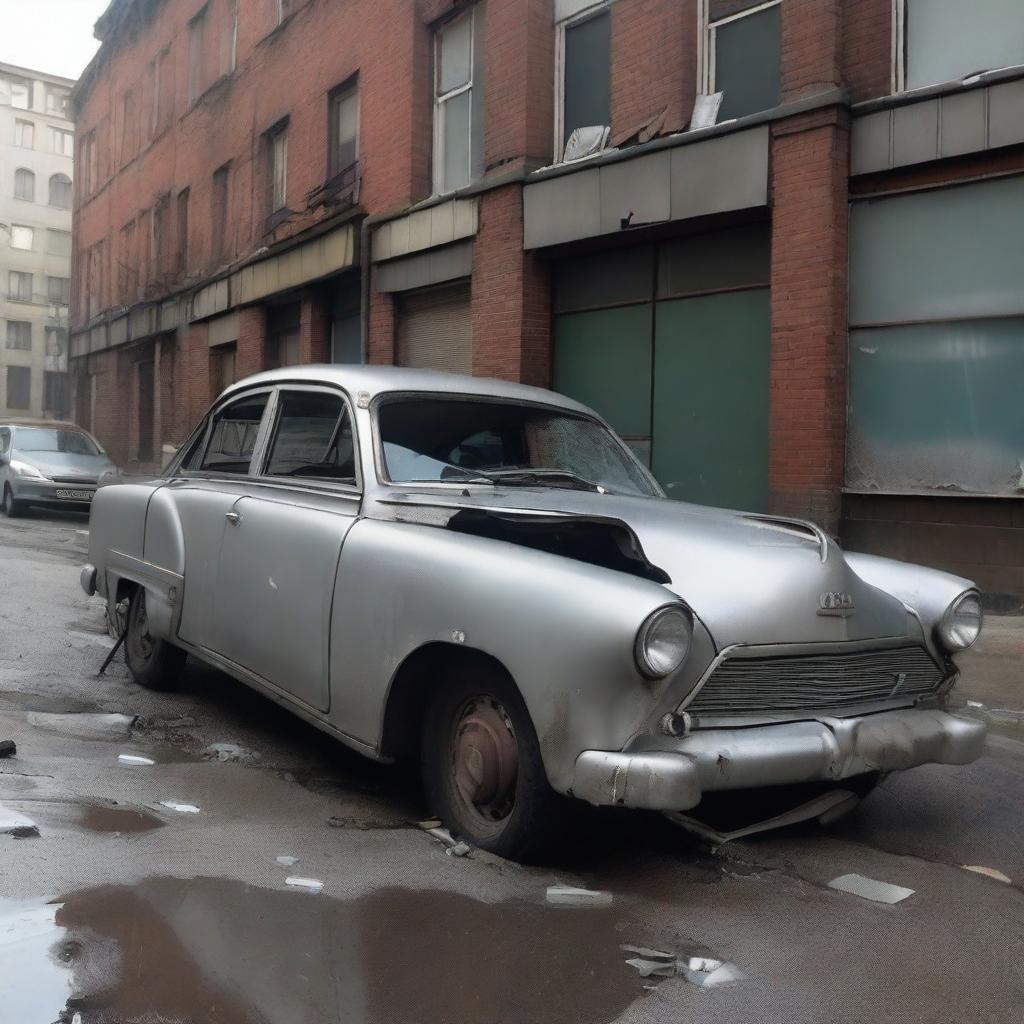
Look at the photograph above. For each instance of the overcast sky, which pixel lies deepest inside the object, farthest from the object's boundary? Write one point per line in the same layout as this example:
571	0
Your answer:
49	35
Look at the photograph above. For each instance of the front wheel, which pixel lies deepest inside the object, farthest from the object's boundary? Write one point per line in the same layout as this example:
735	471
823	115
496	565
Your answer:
482	768
12	509
154	664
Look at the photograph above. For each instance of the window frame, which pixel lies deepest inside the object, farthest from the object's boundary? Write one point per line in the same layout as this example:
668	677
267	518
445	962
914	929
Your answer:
599	8
25	174
21	274
277	139
22	124
63	134
311	483
65	180
338	95
15	81
31	247
18	347
441	100
706	32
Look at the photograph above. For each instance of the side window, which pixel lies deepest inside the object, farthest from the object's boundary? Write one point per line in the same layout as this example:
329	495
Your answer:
313	438
232	438
5	441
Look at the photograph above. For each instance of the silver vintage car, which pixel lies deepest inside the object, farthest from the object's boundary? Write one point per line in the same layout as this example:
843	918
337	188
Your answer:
481	574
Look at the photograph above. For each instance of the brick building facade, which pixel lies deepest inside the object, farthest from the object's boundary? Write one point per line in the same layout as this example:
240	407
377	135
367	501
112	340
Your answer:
803	296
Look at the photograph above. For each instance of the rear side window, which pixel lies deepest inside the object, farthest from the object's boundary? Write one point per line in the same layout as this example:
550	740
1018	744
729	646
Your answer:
313	438
232	439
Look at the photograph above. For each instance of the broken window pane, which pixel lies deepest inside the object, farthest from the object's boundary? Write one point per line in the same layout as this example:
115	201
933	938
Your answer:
586	82
747	63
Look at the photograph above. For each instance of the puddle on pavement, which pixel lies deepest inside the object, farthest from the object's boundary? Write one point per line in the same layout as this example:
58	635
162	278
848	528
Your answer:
210	949
97	818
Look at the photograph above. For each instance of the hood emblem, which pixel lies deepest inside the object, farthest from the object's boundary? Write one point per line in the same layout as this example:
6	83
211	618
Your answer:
836	603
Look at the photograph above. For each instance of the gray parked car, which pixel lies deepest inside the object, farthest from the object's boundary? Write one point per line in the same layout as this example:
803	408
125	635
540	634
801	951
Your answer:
482	573
50	464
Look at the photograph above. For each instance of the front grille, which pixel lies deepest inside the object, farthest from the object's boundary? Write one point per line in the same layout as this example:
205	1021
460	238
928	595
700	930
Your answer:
816	682
79	481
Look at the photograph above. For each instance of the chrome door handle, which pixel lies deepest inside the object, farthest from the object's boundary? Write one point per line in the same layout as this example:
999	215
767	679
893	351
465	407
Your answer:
234	518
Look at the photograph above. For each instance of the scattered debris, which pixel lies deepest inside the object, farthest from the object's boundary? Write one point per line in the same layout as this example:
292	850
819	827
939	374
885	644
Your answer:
975	704
870	889
84	725
705	110
988	873
442	835
429	824
287	862
312	884
571	896
179	722
17	825
698	970
230	752
134	759
8	748
174	805
383	822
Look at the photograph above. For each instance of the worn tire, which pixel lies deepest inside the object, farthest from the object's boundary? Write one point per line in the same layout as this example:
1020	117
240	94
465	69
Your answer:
12	509
154	664
532	827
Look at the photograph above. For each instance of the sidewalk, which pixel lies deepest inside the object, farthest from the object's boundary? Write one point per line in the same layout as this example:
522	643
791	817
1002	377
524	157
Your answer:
993	670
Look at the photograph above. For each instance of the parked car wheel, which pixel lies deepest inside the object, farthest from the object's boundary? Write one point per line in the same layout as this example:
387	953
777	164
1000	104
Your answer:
153	663
12	509
482	768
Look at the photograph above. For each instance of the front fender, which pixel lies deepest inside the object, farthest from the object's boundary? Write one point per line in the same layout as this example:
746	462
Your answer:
563	629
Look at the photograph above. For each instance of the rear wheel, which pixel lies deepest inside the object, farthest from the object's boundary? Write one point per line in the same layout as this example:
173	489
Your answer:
482	767
153	663
12	509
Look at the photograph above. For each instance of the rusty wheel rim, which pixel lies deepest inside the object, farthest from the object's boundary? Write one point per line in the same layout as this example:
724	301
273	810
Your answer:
139	637
484	763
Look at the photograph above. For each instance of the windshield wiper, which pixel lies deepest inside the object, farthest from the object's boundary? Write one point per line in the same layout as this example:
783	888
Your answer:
541	477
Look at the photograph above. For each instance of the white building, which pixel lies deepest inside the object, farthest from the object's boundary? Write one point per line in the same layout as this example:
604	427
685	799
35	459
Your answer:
36	161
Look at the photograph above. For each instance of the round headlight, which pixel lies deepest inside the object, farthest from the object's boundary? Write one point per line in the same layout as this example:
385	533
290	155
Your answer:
663	641
961	624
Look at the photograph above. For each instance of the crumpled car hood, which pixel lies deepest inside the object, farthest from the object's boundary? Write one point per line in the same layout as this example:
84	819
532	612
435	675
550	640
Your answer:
750	579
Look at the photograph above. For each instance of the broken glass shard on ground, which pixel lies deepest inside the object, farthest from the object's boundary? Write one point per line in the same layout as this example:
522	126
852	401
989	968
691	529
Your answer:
978	869
287	862
312	884
870	889
135	759
571	896
176	805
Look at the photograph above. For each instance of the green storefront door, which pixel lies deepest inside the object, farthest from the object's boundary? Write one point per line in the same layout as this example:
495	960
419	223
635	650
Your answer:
710	415
683	377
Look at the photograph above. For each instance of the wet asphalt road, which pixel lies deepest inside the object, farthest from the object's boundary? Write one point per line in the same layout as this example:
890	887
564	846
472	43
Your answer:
123	909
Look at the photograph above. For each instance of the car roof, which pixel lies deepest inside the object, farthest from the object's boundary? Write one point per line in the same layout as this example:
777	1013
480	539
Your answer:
52	424
378	380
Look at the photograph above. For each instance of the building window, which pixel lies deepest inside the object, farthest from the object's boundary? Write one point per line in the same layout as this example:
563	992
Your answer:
181	233
741	54
56	342
344	128
283	335
19	286
163	93
57	101
219	212
58	291
24	185
277	167
159	239
60	191
129	127
19	387
25	134
21	93
222	367
947	40
584	62
458	102
19	335
62	142
196	48
22	237
58	243
55	392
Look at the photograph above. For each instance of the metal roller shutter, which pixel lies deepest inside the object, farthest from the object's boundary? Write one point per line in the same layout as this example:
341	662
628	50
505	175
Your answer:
435	330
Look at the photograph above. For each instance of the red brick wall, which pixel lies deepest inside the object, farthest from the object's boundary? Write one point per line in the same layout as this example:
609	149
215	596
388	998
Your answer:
810	46
867	48
807	423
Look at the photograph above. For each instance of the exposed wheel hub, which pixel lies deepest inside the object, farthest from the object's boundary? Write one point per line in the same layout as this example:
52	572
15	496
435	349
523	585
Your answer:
485	759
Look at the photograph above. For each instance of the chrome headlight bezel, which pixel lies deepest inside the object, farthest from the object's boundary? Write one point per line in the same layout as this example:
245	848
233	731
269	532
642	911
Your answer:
653	628
950	633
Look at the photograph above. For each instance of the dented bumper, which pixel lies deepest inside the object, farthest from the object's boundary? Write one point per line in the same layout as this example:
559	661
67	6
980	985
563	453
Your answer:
661	773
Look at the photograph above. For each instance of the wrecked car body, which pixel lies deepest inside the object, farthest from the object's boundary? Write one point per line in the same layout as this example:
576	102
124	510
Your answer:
481	573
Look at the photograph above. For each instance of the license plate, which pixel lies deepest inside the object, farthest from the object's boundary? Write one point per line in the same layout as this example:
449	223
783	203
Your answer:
75	495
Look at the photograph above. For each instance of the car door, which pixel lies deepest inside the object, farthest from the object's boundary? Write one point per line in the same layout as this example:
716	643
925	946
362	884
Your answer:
282	545
212	475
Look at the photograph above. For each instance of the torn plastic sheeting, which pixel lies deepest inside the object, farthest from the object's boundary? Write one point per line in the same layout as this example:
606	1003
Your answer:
994	873
712	973
87	726
312	884
870	889
135	759
698	970
176	805
454	846
652	968
649	954
572	896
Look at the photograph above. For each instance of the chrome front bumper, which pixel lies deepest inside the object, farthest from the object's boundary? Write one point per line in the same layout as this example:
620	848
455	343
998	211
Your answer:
664	774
